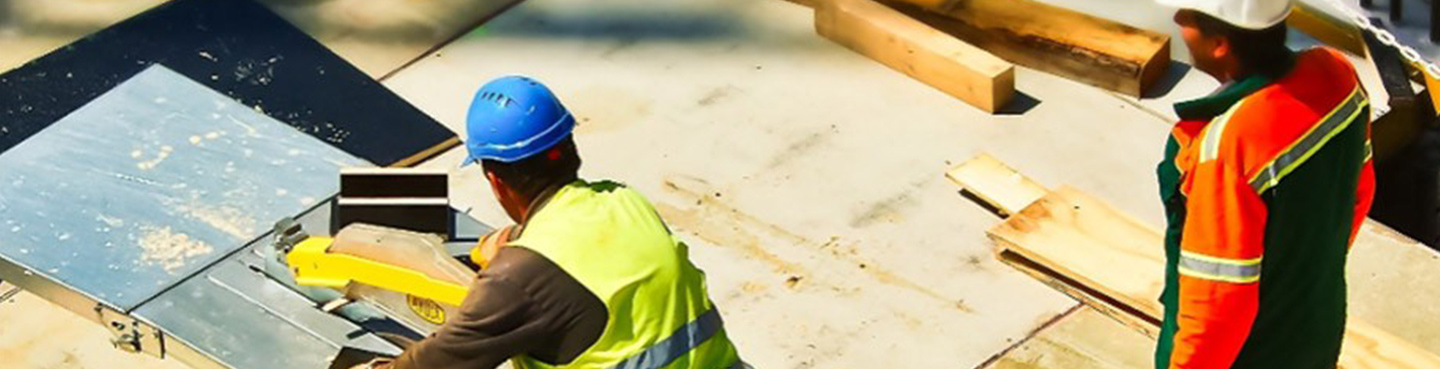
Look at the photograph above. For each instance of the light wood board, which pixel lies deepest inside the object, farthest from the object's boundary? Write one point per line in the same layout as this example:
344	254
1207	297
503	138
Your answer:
1104	257
906	45
995	183
1083	239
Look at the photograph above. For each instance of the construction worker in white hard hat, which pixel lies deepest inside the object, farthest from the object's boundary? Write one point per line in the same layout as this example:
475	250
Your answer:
1265	182
588	278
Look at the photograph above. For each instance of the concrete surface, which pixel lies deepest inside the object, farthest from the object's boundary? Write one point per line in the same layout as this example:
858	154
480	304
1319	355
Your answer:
785	158
808	179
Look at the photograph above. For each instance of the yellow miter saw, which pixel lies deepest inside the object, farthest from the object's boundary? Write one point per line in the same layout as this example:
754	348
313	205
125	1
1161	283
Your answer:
408	274
407	268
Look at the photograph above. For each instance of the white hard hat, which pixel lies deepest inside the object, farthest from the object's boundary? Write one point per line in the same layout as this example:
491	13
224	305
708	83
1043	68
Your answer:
1247	14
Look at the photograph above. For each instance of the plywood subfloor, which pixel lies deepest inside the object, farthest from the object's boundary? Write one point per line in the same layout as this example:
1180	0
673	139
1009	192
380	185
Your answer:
37	334
1084	338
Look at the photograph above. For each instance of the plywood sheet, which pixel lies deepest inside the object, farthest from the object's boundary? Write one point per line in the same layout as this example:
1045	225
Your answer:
40	335
1084	338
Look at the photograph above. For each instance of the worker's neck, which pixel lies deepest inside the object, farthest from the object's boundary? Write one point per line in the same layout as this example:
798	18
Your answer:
538	201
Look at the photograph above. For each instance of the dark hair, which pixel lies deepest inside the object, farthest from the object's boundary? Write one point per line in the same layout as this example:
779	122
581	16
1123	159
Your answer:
558	165
1259	51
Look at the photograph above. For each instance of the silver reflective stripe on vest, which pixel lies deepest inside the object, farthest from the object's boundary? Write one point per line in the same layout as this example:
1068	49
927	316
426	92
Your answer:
1219	269
1210	139
678	344
1331	125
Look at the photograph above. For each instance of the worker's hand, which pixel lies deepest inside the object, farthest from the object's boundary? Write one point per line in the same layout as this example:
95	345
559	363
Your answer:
490	245
374	364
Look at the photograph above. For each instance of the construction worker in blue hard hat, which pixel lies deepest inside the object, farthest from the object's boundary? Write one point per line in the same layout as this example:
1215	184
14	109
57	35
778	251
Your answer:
589	277
1265	183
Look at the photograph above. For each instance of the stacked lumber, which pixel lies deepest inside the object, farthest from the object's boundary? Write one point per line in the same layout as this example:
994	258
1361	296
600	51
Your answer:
949	44
1105	258
1070	44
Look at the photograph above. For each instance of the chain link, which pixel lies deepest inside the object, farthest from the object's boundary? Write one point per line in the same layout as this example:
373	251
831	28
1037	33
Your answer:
1387	38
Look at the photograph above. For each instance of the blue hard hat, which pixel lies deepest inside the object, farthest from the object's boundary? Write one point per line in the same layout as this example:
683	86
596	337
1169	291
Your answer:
513	118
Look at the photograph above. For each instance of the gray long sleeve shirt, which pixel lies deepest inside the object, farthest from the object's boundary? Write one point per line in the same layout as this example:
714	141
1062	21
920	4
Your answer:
522	304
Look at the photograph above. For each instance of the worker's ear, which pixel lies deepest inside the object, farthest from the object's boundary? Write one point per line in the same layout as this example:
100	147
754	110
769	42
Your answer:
1220	47
495	181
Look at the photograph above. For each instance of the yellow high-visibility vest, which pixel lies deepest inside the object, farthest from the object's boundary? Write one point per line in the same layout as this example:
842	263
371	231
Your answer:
609	238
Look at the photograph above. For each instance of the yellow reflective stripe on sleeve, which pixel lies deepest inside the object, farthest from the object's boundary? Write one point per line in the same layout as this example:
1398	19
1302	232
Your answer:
1207	267
1301	150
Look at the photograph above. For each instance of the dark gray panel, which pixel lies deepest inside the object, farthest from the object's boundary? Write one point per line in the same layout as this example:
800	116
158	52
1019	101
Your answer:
151	182
237	47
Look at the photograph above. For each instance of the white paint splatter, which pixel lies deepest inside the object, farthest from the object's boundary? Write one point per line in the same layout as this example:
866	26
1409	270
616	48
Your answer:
249	130
110	221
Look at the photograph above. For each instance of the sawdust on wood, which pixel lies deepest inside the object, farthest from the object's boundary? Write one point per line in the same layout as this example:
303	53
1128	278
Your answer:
171	251
232	221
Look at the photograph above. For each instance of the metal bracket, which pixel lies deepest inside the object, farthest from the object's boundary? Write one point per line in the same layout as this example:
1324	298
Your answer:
130	335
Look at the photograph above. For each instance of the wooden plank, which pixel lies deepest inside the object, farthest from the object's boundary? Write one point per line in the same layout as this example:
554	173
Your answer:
923	53
1087	241
1084	240
991	181
1328	29
1078	46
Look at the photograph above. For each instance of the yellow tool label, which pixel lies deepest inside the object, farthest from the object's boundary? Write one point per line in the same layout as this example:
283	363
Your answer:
426	309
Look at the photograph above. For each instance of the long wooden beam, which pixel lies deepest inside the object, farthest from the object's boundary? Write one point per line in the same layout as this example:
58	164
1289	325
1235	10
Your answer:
1328	29
1113	262
1078	46
923	53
